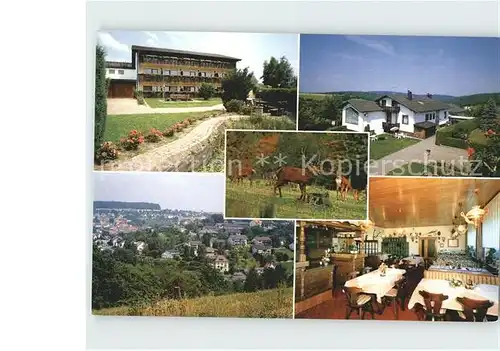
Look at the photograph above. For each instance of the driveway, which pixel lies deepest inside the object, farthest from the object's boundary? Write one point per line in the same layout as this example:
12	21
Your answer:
131	107
418	153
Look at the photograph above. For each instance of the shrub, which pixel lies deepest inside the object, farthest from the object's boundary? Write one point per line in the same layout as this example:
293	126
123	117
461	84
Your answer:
478	139
275	95
246	110
448	136
101	93
178	127
133	140
234	105
382	137
139	95
206	91
154	135
106	152
237	85
169	132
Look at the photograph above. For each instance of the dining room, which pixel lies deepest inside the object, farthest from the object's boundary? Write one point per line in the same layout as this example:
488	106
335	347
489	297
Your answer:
429	252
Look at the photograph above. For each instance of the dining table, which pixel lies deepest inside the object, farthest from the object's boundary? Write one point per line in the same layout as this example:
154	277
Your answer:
414	260
376	283
439	286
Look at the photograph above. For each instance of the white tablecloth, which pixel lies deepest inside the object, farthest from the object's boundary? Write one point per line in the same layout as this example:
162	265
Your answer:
414	260
438	286
373	283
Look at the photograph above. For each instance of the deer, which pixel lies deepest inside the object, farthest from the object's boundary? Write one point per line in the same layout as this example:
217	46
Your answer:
300	176
239	173
355	181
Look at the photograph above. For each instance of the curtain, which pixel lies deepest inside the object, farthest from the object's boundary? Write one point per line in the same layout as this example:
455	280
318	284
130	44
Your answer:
491	224
471	236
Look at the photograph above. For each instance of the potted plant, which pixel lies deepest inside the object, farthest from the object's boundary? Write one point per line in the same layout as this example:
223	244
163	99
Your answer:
353	249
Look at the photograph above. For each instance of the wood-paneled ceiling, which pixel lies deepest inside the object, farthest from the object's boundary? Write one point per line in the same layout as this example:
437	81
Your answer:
415	202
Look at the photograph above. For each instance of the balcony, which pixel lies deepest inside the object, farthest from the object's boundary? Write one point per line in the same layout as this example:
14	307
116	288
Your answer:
391	109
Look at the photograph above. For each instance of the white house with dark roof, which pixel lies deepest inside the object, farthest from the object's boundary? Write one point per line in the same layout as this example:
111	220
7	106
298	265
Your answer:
417	116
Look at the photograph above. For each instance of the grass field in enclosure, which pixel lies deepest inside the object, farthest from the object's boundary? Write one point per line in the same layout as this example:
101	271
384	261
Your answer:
160	103
118	126
245	201
275	303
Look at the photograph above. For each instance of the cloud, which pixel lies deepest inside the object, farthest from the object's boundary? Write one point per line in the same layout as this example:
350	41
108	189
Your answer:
348	57
377	45
152	42
115	50
152	35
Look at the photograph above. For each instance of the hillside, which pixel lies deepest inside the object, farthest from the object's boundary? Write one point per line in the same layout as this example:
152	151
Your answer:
466	100
275	303
126	205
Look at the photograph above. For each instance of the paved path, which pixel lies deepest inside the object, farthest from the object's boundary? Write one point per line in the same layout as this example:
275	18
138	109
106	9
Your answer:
131	107
416	153
182	155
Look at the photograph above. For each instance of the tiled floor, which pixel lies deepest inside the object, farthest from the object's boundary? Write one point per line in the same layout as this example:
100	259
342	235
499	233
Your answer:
335	308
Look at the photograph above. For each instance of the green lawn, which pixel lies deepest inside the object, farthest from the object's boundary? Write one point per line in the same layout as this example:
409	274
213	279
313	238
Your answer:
381	148
245	201
419	169
118	126
159	102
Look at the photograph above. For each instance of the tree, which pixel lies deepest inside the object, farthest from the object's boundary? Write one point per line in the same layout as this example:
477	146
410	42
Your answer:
206	91
206	239
237	85
101	92
279	74
252	283
489	116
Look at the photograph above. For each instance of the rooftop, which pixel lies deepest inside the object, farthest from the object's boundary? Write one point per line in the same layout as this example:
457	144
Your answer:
418	104
363	105
136	48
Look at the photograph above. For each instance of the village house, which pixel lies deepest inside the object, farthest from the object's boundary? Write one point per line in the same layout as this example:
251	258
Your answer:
263	240
261	249
221	263
140	246
407	114
170	254
210	253
232	228
237	240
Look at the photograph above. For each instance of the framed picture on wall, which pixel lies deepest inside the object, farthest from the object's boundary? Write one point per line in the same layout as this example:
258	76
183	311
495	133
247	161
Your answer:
452	242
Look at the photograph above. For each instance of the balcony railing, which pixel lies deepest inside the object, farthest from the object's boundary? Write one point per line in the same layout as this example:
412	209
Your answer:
392	109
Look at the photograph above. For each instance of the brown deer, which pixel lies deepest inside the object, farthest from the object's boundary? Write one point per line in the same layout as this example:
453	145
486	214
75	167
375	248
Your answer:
300	176
356	182
239	173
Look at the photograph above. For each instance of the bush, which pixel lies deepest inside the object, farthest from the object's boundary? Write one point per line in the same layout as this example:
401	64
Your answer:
106	152
139	95
478	139
339	128
246	110
133	140
169	132
154	135
382	137
101	94
275	95
448	136
206	91
237	85
234	105
178	127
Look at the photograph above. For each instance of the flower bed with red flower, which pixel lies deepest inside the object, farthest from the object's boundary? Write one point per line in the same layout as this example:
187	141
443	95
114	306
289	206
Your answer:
169	132
133	140
154	135
107	151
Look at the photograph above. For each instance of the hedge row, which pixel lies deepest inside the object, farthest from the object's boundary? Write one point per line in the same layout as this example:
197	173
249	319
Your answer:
273	95
456	135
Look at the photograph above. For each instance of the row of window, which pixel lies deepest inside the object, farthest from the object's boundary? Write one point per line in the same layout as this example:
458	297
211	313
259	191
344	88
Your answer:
184	61
120	71
168	72
432	116
148	88
177	79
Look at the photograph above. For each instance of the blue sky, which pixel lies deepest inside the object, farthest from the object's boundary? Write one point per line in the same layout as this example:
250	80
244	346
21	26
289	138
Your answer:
437	65
186	191
252	48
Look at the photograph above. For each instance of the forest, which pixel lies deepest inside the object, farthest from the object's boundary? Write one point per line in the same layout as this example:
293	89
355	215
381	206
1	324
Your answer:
126	205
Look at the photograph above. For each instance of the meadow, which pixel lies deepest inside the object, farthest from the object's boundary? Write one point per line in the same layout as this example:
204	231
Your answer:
246	201
273	303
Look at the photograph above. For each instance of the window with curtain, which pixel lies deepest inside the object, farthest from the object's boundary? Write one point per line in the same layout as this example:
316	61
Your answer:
471	236
491	224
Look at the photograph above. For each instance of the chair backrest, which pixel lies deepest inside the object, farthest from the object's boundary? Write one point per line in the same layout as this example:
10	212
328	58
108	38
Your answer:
474	310
352	295
352	275
367	270
334	276
400	285
433	302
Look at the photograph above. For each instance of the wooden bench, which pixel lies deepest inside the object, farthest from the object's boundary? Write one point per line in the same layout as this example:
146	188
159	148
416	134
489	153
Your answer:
475	278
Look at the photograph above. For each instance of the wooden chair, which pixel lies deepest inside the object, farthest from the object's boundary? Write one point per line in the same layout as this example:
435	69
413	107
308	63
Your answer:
474	310
334	279
398	292
432	305
358	302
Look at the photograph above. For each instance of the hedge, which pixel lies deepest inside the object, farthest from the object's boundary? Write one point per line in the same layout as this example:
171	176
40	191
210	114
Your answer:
477	139
444	137
273	95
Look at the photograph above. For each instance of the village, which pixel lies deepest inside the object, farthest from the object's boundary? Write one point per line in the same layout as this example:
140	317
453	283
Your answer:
231	247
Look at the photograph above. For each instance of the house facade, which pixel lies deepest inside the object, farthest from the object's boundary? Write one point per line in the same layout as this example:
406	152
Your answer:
163	72
221	263
414	116
237	240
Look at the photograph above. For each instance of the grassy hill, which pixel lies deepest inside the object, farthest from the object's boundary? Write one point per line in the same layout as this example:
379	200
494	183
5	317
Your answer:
465	100
275	303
